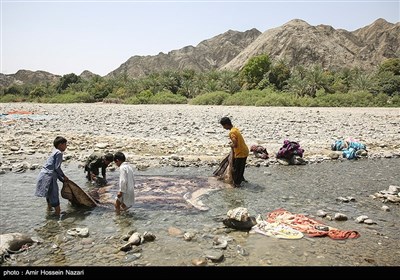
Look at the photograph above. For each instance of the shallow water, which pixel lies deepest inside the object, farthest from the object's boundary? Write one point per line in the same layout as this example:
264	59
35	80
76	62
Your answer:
298	189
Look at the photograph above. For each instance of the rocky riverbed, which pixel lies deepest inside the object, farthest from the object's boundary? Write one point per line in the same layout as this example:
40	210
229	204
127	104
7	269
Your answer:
185	135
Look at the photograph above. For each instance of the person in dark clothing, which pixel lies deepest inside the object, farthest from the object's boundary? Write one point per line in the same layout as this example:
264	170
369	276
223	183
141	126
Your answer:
96	161
240	151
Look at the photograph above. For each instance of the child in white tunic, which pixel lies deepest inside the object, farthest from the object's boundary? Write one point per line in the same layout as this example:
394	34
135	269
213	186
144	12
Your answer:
126	196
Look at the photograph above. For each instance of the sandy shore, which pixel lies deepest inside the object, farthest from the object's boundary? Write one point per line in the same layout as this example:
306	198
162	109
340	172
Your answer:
186	135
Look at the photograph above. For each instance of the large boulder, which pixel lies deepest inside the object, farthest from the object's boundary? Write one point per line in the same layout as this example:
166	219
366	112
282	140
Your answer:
13	243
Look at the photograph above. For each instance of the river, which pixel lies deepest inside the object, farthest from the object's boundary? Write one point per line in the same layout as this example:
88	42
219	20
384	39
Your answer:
298	189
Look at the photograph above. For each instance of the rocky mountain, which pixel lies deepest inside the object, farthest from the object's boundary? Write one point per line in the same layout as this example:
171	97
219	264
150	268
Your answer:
87	75
380	40
300	43
207	55
7	80
27	77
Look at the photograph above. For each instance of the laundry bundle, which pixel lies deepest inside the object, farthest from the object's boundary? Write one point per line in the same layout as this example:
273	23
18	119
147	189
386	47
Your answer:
239	218
351	149
259	151
290	153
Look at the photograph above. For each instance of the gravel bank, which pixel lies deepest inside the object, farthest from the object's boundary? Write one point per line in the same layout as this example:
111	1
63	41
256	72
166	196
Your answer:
186	135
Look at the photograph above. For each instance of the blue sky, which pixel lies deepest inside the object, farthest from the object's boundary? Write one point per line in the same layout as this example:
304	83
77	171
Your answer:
64	37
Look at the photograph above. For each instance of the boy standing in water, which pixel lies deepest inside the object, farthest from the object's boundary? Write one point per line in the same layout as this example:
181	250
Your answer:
46	185
240	151
126	196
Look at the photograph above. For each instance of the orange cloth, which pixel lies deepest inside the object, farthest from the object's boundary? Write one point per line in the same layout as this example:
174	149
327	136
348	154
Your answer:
307	225
19	112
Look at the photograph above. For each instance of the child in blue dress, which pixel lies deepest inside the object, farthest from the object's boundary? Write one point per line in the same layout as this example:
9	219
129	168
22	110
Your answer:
46	185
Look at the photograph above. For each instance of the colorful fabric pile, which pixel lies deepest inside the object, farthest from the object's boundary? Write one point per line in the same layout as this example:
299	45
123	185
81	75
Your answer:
277	230
309	226
290	154
350	148
259	151
290	149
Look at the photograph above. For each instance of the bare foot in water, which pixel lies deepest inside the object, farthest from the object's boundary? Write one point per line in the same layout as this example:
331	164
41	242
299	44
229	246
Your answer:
117	209
57	210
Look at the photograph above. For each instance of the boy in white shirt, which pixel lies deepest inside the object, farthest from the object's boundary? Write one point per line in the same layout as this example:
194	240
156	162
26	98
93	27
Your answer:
126	196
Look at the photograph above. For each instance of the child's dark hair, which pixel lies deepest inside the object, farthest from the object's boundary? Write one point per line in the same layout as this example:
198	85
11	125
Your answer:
225	120
59	140
119	156
109	157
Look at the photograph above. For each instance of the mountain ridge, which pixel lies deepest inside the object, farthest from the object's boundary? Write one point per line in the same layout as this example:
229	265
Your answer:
296	41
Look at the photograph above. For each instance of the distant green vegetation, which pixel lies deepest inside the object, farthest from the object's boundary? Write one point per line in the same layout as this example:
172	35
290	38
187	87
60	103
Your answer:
261	82
210	98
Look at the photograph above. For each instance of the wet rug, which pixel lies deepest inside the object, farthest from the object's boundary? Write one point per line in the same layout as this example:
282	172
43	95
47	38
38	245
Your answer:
159	192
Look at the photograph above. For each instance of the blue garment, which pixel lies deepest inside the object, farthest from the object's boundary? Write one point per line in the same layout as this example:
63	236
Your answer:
357	146
339	145
46	185
349	153
349	148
